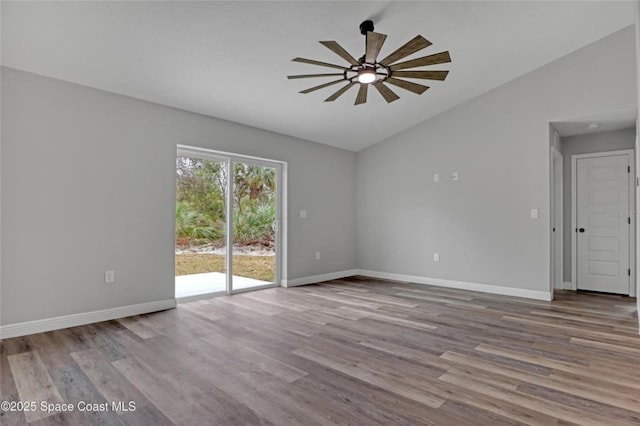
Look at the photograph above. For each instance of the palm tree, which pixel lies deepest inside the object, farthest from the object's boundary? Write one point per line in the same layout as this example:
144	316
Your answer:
254	182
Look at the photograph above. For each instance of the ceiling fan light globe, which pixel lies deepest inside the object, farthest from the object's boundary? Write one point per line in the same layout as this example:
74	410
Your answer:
366	76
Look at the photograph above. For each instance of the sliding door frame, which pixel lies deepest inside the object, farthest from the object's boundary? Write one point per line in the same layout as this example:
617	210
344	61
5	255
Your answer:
278	231
281	229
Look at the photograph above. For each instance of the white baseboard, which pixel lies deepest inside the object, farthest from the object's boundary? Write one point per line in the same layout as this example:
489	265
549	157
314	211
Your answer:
319	278
484	288
73	320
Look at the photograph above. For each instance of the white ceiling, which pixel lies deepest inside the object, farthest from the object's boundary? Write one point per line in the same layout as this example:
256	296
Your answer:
614	120
230	59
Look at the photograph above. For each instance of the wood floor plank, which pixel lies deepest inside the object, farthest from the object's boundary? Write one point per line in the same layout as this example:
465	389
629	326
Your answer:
382	299
250	304
8	384
611	394
33	382
246	385
137	327
75	387
179	404
277	368
550	408
202	309
608	346
272	298
112	385
49	350
371	377
580	403
571	330
443	300
12	417
466	413
603	374
345	301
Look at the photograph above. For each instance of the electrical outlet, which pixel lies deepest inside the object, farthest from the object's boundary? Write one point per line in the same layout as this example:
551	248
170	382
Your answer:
436	257
317	255
436	178
303	214
109	277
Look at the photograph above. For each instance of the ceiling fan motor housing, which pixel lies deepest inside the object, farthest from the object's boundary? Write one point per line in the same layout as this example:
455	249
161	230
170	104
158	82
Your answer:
365	27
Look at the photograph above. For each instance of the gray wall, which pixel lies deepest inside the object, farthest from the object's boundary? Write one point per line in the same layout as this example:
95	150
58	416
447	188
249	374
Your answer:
585	144
499	143
638	156
88	184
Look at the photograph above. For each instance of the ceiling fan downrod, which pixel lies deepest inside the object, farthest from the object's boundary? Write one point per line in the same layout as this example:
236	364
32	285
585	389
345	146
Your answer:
365	27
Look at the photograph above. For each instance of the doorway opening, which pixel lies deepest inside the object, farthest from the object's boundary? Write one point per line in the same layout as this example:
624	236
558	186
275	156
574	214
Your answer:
228	223
595	204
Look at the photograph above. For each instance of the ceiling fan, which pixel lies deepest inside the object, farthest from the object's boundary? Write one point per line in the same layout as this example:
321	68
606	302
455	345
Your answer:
368	71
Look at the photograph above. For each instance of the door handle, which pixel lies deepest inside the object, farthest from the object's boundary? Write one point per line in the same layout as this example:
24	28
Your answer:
581	229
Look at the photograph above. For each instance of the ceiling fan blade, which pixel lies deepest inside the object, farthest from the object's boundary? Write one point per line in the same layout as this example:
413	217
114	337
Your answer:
339	50
362	94
407	85
437	58
412	46
322	64
340	92
322	86
425	75
374	44
386	93
293	77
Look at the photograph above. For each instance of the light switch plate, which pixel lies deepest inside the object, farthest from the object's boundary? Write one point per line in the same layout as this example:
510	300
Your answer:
303	214
454	176
534	213
436	178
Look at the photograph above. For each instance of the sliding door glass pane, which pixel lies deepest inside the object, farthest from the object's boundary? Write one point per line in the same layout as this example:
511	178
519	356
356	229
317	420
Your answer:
201	186
253	225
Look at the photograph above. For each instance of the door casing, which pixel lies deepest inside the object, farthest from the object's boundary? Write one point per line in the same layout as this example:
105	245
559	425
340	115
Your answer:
557	252
574	215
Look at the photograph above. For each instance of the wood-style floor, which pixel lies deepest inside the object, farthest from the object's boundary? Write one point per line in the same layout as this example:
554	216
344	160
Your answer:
348	352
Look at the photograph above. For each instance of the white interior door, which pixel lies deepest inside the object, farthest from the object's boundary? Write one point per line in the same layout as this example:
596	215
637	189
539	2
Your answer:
603	224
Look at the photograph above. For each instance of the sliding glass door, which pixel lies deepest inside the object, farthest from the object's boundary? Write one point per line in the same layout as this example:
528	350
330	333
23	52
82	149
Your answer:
201	224
253	260
228	213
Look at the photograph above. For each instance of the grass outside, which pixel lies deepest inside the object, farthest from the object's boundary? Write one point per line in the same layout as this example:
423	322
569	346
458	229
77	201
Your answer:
256	267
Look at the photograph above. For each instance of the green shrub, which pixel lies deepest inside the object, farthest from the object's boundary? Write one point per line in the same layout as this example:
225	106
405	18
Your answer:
201	199
254	222
195	226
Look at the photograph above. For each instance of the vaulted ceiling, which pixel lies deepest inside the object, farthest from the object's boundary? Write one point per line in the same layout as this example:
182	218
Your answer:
230	59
